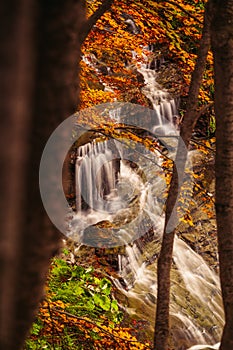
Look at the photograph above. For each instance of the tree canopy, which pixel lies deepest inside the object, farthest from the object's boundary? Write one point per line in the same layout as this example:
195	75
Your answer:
123	37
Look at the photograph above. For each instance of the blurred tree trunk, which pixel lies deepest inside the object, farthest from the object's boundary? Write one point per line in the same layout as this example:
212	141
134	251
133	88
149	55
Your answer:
39	56
222	44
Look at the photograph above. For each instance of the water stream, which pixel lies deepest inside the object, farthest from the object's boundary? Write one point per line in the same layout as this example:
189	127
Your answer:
122	207
120	197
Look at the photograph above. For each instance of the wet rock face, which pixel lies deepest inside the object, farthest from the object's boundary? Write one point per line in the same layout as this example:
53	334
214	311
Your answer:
170	78
202	235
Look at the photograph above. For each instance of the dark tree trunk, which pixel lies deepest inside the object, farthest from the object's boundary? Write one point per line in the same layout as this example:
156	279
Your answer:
39	88
222	43
162	326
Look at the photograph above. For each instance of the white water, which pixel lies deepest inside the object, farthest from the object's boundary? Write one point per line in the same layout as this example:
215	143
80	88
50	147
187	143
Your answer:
205	347
163	103
199	279
196	305
95	175
103	193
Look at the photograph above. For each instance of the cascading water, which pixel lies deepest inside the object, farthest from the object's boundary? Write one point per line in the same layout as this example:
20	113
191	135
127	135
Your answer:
96	175
120	196
163	103
196	306
120	204
108	190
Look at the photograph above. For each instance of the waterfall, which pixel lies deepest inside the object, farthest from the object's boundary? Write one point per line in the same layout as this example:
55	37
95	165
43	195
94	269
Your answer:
165	105
96	176
196	306
119	203
110	193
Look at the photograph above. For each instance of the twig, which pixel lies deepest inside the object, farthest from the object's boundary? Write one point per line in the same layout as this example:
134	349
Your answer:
182	9
103	132
201	144
204	109
53	326
115	337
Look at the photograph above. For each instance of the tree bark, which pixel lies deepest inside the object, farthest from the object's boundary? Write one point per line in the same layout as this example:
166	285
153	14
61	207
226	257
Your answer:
222	44
162	325
39	54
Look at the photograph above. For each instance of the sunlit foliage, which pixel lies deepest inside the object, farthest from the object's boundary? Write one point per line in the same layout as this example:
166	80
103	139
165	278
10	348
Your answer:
79	312
120	40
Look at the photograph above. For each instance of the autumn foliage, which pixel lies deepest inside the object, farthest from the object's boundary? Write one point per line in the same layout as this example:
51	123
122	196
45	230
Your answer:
79	312
133	32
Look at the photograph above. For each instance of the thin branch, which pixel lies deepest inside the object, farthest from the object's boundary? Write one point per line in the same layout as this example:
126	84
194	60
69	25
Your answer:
202	188
174	4
204	109
113	336
53	326
185	11
88	25
131	129
101	131
199	143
